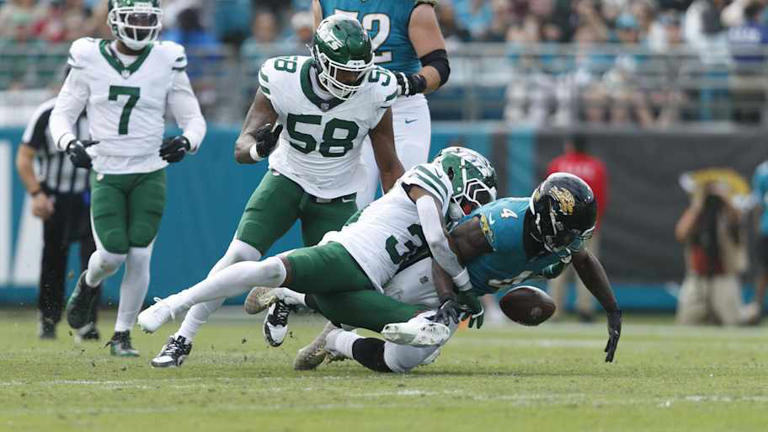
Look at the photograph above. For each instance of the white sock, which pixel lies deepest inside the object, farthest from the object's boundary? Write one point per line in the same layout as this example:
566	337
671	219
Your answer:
101	265
231	281
291	297
341	341
133	288
198	315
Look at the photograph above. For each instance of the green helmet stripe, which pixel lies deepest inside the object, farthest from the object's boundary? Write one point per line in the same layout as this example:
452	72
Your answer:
430	185
433	177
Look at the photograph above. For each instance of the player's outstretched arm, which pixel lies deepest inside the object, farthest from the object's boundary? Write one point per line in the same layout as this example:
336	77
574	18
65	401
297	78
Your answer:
317	11
427	40
383	142
432	225
593	275
260	114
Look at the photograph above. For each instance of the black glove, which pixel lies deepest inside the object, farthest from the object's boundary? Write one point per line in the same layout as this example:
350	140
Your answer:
266	139
409	85
174	149
449	310
614	333
474	309
77	154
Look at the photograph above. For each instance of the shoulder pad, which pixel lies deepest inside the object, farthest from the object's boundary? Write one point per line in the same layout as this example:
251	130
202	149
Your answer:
174	52
431	178
80	52
384	86
267	74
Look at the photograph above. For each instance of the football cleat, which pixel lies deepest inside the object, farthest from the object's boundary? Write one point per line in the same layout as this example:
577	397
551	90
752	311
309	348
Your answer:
259	299
81	304
46	329
153	317
88	332
173	354
120	345
312	355
418	331
276	323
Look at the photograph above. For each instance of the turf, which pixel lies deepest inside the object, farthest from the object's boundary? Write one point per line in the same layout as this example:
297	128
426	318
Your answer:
550	378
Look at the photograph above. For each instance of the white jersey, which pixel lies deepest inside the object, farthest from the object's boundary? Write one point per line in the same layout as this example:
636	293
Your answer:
127	104
388	232
320	145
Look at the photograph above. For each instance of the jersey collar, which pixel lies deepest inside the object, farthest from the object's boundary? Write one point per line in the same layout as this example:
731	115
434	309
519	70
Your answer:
309	92
117	64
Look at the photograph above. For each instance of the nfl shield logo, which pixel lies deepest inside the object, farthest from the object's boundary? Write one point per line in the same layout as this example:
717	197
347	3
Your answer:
125	74
324	106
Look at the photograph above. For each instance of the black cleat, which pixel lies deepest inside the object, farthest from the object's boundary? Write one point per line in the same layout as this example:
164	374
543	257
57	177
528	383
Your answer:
173	353
276	323
81	304
120	345
88	332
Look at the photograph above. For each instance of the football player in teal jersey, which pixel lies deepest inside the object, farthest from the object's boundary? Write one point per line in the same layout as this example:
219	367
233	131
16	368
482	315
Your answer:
504	243
406	40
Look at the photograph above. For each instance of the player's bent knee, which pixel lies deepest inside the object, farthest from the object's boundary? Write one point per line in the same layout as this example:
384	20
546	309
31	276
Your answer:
273	271
239	250
109	262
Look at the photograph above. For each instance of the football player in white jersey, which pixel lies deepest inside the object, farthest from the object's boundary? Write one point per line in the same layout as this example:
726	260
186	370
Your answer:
363	256
314	112
407	40
125	86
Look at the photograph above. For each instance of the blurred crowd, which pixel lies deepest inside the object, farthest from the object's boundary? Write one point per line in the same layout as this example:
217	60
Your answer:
608	75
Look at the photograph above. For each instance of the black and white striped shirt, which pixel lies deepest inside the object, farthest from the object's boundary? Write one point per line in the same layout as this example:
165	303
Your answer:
53	168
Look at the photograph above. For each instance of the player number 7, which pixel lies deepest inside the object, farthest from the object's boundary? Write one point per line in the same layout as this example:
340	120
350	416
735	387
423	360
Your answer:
133	93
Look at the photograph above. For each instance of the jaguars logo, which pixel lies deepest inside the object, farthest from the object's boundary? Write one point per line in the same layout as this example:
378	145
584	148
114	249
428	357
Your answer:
565	198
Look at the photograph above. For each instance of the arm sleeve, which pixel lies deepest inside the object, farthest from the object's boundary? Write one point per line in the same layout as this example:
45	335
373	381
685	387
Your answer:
432	226
70	103
186	110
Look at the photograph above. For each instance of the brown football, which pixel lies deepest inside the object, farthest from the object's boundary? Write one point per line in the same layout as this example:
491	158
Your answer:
527	305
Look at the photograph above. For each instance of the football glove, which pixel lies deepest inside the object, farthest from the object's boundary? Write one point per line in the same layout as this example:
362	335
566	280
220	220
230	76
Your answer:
174	149
449	310
77	154
473	307
409	85
614	333
266	141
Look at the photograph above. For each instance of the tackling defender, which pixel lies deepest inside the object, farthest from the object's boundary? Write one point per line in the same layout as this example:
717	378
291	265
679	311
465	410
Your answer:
125	86
407	40
504	243
327	103
365	254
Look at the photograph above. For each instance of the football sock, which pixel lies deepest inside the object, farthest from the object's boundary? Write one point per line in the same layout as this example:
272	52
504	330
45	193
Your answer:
341	341
231	281
198	315
133	288
101	265
291	297
369	352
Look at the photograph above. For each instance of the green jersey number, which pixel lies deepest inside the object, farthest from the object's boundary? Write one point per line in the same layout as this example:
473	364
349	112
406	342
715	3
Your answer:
338	135
133	94
411	247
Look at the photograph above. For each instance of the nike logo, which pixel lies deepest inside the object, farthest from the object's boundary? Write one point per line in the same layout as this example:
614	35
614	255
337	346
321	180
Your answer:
347	200
490	219
409	121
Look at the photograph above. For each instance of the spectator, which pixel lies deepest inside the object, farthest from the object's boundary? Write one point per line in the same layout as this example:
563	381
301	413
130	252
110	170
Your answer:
257	48
475	16
303	26
715	255
17	18
452	32
65	21
577	160
747	85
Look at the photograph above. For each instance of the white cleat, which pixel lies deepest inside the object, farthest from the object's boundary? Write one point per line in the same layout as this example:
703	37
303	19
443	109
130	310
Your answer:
153	317
259	299
314	354
419	332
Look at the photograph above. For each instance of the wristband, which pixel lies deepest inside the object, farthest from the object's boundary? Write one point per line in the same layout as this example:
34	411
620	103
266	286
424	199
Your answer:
254	152
461	280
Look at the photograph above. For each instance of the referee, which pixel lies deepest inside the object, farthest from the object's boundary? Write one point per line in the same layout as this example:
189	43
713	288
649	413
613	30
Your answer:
60	197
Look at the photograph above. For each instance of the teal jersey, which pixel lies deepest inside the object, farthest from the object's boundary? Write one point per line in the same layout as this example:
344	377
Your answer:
760	194
387	24
502	222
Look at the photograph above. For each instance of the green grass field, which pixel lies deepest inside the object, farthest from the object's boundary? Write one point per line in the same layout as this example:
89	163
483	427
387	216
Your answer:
550	378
